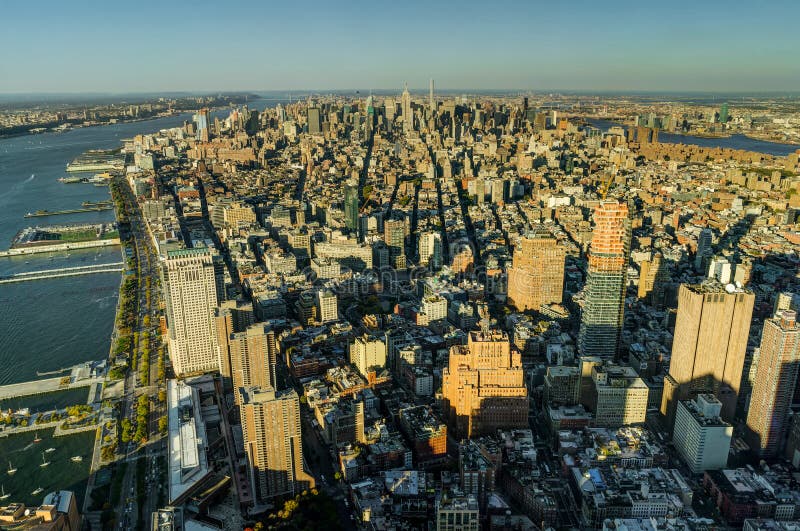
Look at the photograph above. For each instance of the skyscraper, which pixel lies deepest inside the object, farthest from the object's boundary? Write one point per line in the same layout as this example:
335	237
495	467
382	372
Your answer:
314	121
191	296
273	442
254	355
723	113
703	249
431	103
601	318
775	383
483	387
537	274
351	205
709	345
408	113
394	235
201	119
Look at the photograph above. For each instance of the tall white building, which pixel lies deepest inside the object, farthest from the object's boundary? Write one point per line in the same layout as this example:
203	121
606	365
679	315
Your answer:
327	306
191	295
430	249
701	437
434	307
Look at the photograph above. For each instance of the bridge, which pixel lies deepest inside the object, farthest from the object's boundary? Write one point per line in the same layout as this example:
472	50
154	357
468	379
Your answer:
113	267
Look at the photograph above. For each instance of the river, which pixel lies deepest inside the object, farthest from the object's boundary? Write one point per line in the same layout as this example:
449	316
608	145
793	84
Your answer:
49	324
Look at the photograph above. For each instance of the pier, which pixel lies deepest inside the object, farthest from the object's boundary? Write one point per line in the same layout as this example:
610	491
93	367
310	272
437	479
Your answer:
58	247
114	267
45	213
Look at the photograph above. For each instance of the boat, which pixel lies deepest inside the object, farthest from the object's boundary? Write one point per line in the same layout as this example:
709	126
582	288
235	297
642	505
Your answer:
36	438
76	458
11	469
37	491
3	496
50	450
44	462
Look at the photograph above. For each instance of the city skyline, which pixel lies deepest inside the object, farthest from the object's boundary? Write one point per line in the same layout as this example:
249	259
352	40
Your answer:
622	47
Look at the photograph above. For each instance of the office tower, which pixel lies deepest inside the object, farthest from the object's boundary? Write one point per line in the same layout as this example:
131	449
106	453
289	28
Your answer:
483	387
620	396
351	205
701	437
786	300
703	249
537	274
394	235
230	317
723	113
430	249
191	297
601	317
430	97
254	354
314	121
327	306
273	442
708	349
653	277
368	353
776	379
720	269
408	113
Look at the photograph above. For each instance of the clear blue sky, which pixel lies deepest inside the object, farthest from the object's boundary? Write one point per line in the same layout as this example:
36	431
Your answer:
147	46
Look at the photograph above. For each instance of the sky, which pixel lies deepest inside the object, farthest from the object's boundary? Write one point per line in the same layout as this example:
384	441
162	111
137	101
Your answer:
584	45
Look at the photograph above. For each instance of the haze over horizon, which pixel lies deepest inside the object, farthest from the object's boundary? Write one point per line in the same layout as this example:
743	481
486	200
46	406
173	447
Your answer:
245	46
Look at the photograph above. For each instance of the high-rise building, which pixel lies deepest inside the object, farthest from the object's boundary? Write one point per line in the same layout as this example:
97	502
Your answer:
709	345
229	317
191	297
273	442
703	249
653	277
620	396
408	112
254	354
430	249
327	306
483	386
314	121
601	318
537	274
431	103
723	113
394	235
701	437
776	379
351	205
368	353
201	119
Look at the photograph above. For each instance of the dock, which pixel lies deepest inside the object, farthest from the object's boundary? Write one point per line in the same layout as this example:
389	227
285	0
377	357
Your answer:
27	276
59	247
45	213
47	385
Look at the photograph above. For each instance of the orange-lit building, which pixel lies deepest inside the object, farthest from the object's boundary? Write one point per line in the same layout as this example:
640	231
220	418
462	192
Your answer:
483	387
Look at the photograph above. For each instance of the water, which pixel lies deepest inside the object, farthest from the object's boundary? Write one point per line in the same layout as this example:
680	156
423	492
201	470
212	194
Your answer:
731	142
61	474
49	324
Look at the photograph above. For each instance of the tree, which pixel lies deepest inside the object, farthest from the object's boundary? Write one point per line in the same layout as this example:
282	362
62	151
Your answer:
162	424
126	430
